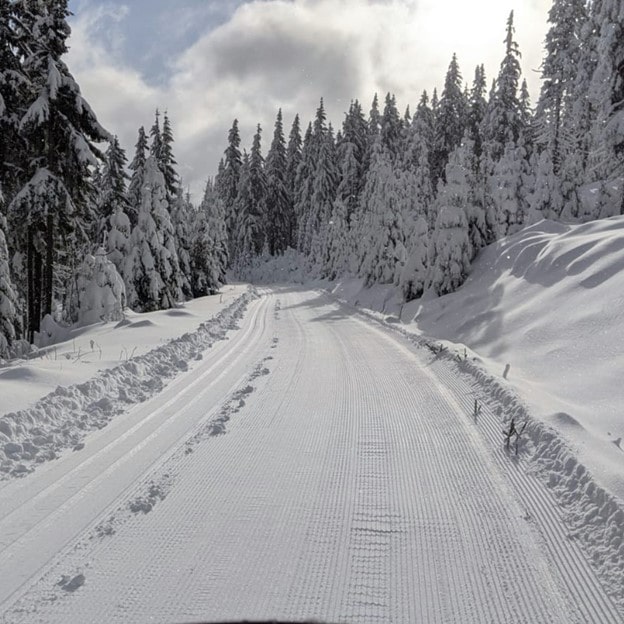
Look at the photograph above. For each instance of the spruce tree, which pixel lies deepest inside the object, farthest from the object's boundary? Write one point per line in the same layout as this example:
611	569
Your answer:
507	194
228	181
245	230
607	97
112	186
477	106
385	237
451	250
258	191
391	128
503	120
451	119
137	166
152	270
339	242
9	319
303	188
118	239
14	90
182	219
293	160
59	128
211	238
559	68
278	204
324	186
167	162
156	138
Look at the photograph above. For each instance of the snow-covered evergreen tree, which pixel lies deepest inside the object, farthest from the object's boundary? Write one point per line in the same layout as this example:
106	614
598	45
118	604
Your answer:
59	130
384	242
137	166
413	275
451	250
182	218
324	188
101	293
477	106
245	231
278	204
211	237
152	270
167	162
118	237
156	144
606	93
559	68
111	186
507	193
228	182
546	201
451	119
293	160
340	245
303	187
417	158
14	89
391	128
502	123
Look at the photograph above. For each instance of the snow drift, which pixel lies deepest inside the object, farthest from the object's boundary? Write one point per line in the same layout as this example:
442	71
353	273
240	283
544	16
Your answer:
61	419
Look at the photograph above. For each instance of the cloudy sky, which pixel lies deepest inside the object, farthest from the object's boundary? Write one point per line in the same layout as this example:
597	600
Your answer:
209	61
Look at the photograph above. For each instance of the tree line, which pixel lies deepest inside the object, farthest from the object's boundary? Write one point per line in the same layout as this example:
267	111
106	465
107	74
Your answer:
73	215
406	199
410	199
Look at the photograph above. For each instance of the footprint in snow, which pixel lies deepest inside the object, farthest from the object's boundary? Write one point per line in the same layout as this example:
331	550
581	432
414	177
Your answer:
71	584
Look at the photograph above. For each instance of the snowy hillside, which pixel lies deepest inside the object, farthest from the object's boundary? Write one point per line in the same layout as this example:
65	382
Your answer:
548	301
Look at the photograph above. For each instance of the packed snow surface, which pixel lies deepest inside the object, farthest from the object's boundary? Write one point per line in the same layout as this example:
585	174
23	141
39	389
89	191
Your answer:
316	464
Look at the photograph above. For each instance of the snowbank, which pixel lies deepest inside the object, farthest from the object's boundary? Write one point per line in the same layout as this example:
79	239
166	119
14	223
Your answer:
69	356
61	419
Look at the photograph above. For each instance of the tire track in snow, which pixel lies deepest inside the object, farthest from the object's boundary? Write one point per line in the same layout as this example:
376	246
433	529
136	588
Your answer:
580	580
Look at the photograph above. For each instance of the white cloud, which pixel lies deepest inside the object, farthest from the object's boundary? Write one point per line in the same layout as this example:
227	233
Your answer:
274	53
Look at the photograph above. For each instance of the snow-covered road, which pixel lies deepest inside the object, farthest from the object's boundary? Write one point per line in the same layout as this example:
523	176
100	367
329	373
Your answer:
311	466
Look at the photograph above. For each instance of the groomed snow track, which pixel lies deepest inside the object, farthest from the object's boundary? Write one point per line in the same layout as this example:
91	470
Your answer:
315	465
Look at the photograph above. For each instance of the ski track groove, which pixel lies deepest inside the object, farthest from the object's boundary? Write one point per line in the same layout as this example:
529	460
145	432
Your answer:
581	584
52	517
452	554
569	560
392	509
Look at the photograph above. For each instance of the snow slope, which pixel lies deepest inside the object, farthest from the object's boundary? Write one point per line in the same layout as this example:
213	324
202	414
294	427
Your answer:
548	302
340	476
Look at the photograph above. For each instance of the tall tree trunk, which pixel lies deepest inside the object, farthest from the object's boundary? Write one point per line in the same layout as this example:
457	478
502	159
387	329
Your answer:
49	265
32	323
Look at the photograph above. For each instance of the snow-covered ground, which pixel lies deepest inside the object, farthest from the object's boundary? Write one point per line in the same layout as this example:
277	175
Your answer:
314	465
75	355
548	302
49	402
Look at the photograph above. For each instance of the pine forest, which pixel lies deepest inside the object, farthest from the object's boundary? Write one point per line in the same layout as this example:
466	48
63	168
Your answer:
402	196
